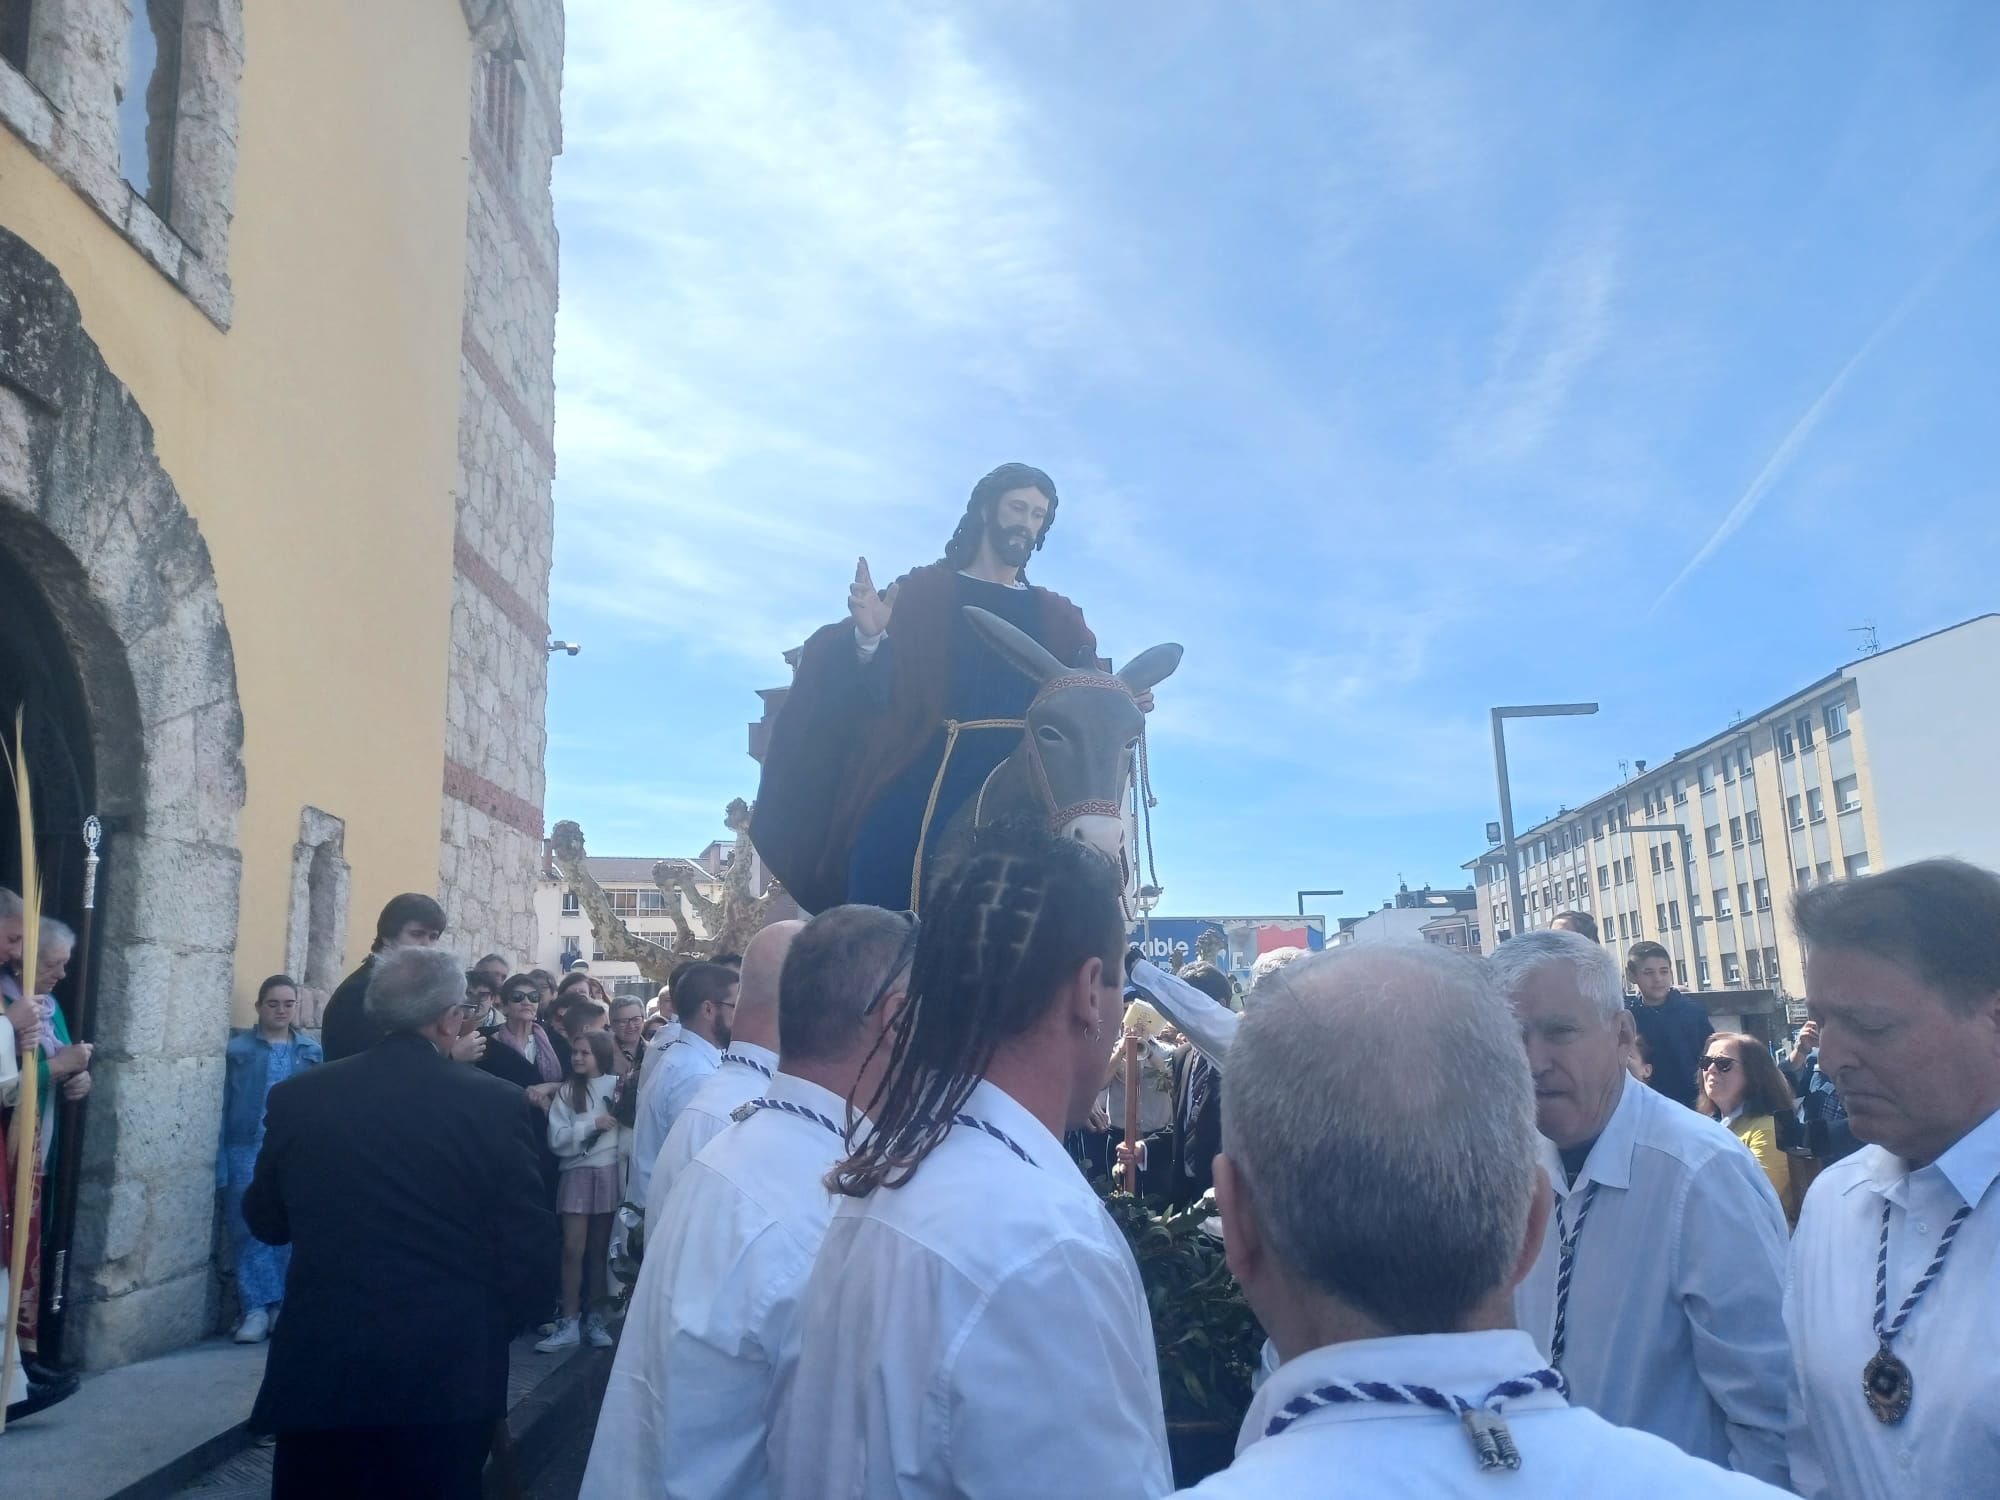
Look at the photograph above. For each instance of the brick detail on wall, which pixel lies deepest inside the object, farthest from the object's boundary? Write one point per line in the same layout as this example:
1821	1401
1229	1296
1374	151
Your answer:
468	786
482	363
482	575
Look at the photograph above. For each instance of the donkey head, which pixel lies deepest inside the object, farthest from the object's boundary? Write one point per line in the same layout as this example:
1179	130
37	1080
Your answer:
1082	735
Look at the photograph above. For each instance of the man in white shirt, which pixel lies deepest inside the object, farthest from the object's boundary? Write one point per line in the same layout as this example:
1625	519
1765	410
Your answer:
1380	1253
1895	1344
742	1075
715	1316
706	1003
1658	1291
975	1324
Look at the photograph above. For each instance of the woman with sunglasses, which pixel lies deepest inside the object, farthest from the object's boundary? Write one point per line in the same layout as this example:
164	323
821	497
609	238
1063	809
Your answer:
1738	1083
522	1052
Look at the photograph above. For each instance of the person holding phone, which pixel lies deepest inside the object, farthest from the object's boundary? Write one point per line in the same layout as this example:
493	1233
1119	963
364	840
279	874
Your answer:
588	1142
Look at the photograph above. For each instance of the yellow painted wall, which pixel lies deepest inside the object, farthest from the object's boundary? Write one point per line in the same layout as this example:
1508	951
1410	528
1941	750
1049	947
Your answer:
316	441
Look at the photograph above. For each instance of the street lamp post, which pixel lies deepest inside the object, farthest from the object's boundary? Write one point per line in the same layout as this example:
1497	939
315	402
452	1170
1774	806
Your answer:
1304	894
1149	897
1500	718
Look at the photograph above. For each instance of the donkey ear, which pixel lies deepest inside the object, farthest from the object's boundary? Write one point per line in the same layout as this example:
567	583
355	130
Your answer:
1149	667
1020	648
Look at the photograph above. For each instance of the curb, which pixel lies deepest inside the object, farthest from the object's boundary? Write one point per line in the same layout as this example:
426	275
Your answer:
177	1473
537	1423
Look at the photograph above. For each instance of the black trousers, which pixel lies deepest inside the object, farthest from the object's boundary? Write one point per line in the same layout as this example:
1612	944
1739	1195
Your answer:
439	1462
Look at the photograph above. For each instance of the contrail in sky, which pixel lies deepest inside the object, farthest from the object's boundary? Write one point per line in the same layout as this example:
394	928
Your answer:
1781	458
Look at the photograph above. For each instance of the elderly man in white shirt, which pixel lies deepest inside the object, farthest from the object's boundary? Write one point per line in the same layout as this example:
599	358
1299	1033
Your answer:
743	1073
1381	1253
1895	1338
975	1324
706	1002
714	1320
1659	1289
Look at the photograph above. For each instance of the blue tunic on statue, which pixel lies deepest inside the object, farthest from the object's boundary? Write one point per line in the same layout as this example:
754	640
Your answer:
984	685
260	1268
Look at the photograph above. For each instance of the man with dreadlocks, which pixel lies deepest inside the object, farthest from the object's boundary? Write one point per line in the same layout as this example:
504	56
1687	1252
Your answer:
855	752
974	1324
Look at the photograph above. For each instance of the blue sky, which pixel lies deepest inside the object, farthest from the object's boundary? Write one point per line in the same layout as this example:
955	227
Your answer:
1396	360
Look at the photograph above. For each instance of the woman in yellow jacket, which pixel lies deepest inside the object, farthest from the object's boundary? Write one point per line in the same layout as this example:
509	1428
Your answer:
1740	1085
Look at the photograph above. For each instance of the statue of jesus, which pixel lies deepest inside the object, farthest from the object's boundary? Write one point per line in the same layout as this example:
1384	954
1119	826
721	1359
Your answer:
855	750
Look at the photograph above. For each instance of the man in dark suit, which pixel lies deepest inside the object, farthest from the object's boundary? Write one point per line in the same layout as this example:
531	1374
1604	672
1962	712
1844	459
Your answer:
411	920
422	1241
1178	1163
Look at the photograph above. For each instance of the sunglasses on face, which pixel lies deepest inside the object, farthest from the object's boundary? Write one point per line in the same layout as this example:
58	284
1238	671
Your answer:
1718	1064
523	997
904	955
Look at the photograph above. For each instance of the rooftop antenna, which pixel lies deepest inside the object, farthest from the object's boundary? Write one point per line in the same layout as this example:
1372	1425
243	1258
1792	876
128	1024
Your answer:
1624	771
1869	645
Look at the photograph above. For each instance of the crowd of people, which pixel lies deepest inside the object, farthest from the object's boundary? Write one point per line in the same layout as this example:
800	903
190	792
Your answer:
1492	1213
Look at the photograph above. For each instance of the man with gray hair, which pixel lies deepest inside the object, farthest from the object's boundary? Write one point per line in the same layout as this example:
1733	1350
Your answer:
1659	1285
1380	1201
714	1325
411	1193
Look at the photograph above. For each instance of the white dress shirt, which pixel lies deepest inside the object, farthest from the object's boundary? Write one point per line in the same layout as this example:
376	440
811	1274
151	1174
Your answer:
1676	1321
716	1309
979	1331
744	1074
1949	1443
681	1067
1202	1019
1378	1449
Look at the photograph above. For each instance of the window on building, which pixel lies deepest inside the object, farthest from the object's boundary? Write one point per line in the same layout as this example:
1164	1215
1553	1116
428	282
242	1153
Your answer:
1732	969
652	903
1753	826
1604	877
1856	866
597	955
1596	827
1680	791
624	901
1805	730
1705	774
14	33
1815	805
1714	832
1618	920
1630	874
1801	878
1847	794
1743	897
1701	970
1795	811
150	104
1723	910
1755	960
1660	915
1680	971
1763	888
500	103
1728	766
1694	906
1788	745
1674	915
1654	852
1638	926
1736	833
1836	719
570	905
1772	976
1667	856
1823	872
1570	884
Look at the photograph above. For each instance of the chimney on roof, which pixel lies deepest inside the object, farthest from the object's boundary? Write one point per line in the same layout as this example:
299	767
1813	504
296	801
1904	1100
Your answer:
1641	765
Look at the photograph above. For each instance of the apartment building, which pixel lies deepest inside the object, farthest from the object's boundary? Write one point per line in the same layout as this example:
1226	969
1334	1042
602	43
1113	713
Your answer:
1877	763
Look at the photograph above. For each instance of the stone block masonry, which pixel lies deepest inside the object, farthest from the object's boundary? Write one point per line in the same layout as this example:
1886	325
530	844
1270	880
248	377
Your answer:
491	828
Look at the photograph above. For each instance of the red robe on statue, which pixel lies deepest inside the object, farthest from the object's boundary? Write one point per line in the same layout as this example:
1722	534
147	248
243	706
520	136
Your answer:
834	746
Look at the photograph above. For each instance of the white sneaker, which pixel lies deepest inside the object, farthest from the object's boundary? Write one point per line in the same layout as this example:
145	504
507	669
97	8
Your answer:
255	1327
598	1335
566	1336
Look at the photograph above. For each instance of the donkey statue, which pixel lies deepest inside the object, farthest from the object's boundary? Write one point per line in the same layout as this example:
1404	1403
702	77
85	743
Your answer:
1074	764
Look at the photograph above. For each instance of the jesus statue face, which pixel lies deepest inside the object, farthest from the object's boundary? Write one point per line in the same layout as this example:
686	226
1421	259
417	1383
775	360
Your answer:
1015	525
